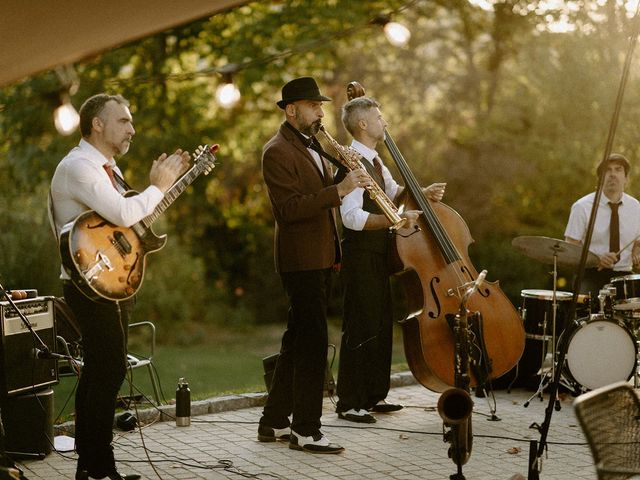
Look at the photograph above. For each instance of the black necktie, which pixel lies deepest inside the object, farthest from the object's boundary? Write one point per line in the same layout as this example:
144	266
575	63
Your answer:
377	164
614	228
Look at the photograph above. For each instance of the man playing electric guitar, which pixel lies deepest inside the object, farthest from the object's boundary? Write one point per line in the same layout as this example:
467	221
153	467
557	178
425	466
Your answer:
84	180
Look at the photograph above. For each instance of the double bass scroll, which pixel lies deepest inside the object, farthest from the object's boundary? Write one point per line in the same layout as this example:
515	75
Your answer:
436	269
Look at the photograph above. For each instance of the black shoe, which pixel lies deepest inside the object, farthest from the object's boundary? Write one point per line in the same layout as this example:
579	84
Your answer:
384	407
270	434
357	415
314	444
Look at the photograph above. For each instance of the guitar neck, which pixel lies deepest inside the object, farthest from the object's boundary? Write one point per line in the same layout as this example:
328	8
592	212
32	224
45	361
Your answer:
174	192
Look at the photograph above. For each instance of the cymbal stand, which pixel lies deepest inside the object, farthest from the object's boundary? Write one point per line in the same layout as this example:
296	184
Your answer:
549	375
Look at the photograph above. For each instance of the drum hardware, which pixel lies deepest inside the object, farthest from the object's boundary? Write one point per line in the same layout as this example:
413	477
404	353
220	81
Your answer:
549	375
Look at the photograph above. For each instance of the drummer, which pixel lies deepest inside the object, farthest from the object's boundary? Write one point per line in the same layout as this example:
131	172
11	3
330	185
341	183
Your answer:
615	237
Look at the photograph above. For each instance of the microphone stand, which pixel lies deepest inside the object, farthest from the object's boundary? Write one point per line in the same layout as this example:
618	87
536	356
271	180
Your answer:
537	449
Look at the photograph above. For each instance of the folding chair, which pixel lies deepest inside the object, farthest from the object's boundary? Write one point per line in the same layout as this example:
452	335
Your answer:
610	420
70	342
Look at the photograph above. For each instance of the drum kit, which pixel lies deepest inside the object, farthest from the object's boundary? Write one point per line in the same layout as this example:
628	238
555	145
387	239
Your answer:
601	342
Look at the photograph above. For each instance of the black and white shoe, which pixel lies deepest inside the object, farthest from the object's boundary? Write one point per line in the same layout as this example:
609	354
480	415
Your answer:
383	407
113	475
314	444
357	415
269	434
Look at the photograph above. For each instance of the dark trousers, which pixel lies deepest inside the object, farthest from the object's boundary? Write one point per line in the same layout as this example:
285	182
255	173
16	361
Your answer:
298	380
367	331
104	342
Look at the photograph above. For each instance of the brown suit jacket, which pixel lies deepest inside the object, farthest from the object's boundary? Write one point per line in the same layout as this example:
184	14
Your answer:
302	201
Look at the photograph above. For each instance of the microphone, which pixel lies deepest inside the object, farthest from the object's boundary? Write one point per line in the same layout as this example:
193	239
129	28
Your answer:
478	282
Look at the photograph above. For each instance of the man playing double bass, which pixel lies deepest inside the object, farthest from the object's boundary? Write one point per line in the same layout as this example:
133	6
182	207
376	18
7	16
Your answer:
367	331
616	230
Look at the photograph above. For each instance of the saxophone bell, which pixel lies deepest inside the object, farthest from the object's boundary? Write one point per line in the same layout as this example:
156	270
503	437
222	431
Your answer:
455	406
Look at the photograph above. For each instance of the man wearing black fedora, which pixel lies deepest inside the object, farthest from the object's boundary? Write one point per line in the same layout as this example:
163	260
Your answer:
306	248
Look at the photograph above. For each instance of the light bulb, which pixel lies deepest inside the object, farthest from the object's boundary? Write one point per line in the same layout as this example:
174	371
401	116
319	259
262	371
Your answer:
227	95
66	119
397	34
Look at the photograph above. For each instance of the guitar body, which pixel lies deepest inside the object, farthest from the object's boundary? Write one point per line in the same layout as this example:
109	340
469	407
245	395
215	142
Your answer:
106	261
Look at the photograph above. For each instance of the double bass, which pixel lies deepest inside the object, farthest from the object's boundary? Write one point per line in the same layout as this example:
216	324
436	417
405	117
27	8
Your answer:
436	273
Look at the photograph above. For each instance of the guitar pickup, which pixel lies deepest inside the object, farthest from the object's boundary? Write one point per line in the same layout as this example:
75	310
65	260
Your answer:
121	243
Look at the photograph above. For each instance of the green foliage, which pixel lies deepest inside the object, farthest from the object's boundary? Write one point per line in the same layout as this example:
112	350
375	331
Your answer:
512	116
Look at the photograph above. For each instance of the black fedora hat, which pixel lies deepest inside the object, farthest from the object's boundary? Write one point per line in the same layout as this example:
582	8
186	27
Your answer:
303	88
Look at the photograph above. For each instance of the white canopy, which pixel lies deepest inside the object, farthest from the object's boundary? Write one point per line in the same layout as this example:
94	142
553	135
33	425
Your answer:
38	35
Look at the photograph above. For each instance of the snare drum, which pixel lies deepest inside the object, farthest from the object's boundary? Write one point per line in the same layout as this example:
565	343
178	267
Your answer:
537	313
600	351
537	318
627	292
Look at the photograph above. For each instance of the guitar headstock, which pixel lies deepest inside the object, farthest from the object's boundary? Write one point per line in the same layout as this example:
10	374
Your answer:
205	157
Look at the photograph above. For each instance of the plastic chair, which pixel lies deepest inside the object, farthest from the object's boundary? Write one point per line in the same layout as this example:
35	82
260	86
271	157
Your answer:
610	420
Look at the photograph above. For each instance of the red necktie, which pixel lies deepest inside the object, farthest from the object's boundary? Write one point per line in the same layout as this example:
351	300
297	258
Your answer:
109	170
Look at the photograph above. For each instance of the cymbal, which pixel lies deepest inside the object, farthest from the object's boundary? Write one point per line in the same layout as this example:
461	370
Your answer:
543	249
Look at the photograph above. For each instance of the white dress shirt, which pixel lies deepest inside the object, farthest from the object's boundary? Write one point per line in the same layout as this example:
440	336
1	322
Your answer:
80	183
315	155
629	213
353	216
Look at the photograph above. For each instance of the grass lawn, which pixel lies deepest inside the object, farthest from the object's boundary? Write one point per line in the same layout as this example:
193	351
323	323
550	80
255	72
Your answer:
230	361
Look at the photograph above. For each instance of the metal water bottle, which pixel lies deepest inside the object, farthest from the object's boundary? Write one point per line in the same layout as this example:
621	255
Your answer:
183	404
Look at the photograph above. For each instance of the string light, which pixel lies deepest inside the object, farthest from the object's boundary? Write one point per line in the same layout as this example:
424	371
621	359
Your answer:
397	34
66	118
227	93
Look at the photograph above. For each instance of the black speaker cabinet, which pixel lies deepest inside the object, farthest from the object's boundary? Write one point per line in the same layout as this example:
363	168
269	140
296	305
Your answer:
28	422
20	370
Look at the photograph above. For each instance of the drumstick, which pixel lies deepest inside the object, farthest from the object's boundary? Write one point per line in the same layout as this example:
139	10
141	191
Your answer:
627	245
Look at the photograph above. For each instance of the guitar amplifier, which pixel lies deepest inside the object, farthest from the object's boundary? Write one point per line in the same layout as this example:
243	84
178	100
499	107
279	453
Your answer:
20	370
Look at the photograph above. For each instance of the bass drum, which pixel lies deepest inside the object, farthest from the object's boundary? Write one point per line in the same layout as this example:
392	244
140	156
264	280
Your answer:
600	351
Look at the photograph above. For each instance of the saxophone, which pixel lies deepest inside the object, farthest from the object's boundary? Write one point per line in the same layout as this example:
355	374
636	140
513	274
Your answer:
350	159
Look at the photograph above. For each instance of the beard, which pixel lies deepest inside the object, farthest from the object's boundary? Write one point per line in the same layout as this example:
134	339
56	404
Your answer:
308	129
122	147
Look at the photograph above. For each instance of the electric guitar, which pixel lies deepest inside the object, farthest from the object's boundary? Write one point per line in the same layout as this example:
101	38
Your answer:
105	261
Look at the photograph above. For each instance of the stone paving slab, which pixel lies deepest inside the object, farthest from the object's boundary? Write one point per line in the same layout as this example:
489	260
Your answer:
407	444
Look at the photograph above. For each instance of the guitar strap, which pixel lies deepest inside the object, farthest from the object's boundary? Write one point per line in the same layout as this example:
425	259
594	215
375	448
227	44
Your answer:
52	220
121	181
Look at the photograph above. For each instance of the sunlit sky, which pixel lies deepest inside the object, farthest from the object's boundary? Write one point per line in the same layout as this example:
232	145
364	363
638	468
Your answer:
562	24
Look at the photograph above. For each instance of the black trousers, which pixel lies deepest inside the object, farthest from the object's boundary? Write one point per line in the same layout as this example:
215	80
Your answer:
367	331
104	343
298	379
